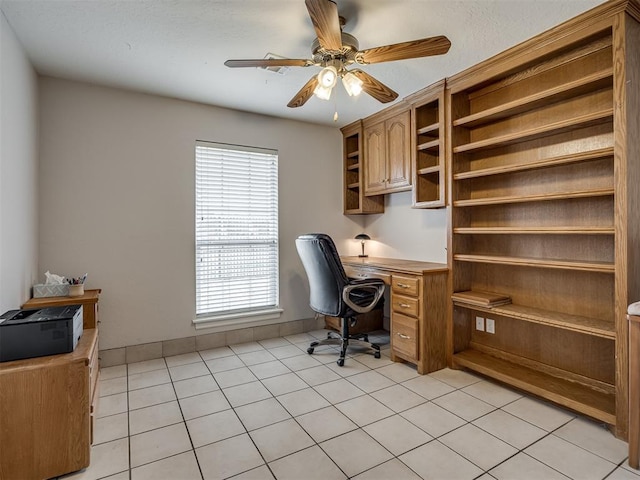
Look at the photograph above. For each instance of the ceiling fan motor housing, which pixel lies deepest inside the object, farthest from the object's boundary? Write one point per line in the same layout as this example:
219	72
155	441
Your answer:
346	55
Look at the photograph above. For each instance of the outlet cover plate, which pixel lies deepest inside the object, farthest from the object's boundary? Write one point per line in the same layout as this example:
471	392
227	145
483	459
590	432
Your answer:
491	325
480	324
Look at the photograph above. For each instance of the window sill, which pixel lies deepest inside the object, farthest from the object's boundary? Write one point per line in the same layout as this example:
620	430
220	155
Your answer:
223	323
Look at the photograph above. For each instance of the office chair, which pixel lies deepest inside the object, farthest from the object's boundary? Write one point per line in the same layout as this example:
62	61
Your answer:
333	293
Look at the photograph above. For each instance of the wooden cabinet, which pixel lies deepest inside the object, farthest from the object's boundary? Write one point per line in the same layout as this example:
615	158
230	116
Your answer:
355	202
418	307
544	173
418	319
47	404
428	146
387	151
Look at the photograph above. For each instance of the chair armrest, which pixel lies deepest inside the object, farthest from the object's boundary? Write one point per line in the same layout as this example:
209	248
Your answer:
369	284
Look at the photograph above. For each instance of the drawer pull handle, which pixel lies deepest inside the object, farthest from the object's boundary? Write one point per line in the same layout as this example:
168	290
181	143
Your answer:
403	285
404	305
402	335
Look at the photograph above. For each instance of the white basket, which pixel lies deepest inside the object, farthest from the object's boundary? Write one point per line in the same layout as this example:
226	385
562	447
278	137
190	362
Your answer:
43	290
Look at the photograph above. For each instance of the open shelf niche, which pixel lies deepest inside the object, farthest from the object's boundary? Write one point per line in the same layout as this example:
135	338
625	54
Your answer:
427	146
539	218
355	202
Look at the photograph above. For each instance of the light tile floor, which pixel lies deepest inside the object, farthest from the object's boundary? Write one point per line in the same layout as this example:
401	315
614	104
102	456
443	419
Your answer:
265	410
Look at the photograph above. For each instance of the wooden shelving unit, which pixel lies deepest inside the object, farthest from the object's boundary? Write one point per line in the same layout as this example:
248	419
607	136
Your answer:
543	186
355	202
427	146
589	401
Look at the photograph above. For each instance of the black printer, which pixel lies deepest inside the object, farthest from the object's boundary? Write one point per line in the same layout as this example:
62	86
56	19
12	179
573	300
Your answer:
39	332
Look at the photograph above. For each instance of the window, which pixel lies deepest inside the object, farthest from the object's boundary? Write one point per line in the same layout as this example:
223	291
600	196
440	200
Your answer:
236	231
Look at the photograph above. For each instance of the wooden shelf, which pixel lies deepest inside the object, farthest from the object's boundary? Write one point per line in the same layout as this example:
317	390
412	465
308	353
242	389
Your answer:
589	83
578	397
574	123
583	230
543	173
588	266
433	144
429	128
546	163
354	200
574	323
473	202
428	162
428	170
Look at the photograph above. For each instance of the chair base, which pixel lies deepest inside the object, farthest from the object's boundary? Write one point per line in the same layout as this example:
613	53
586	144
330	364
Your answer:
343	340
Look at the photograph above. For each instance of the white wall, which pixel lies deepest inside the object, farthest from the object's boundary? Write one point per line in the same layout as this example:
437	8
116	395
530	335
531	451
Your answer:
117	200
405	232
18	171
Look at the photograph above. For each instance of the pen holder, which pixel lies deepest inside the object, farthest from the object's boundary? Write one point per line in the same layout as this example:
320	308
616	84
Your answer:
76	290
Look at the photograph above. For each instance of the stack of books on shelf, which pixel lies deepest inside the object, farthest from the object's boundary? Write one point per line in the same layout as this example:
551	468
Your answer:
481	299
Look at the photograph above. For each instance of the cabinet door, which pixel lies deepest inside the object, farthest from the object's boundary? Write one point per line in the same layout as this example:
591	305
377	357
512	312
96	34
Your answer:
375	159
398	152
404	336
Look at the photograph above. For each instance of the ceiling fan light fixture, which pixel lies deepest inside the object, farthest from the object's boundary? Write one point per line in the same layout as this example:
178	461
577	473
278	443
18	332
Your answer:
321	92
328	77
352	84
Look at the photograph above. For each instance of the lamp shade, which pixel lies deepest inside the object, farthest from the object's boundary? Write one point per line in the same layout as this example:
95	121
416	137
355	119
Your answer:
322	92
352	84
328	77
362	237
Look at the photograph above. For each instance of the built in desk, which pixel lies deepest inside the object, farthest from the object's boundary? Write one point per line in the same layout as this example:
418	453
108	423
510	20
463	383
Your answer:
418	320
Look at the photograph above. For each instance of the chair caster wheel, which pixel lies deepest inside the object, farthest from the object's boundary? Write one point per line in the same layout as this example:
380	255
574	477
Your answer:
309	350
376	354
340	362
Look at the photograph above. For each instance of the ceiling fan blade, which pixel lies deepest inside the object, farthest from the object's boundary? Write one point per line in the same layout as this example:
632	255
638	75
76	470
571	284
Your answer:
304	94
269	62
325	19
405	50
376	89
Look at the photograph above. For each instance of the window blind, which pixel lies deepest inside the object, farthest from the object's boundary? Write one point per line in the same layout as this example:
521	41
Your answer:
236	229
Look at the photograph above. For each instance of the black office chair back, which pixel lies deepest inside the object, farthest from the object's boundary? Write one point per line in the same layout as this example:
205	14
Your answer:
327	278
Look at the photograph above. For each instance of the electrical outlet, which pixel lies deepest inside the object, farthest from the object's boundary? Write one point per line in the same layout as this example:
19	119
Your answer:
491	325
480	324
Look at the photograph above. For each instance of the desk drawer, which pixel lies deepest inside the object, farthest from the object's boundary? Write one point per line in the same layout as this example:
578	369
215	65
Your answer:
404	336
358	272
406	305
405	285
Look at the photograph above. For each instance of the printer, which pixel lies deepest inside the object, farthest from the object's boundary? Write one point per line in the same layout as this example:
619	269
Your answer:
39	332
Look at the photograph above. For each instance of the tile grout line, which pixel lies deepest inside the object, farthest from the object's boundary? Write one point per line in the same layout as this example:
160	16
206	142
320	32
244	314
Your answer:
331	404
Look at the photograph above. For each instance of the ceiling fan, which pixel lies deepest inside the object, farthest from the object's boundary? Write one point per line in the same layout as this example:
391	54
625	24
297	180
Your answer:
335	50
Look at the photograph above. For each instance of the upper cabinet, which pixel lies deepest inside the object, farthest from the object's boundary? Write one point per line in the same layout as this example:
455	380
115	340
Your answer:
355	202
427	146
387	151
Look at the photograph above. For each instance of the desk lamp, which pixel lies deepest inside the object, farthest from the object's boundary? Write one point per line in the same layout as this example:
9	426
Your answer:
362	237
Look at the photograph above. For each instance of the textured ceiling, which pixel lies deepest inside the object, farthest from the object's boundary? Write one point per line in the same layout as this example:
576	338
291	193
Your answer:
177	48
